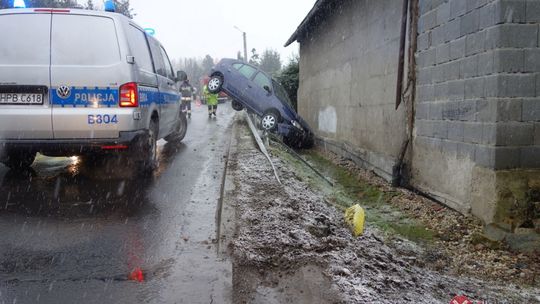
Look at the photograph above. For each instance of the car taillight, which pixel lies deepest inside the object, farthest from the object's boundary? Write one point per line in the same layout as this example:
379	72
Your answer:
129	95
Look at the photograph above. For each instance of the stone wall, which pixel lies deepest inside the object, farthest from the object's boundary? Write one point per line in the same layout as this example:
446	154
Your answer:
478	105
348	65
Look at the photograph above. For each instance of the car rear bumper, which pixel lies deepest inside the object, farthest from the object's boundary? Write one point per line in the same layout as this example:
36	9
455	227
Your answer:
63	147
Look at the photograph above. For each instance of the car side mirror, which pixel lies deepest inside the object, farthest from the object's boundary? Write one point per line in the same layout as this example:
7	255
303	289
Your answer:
267	89
180	76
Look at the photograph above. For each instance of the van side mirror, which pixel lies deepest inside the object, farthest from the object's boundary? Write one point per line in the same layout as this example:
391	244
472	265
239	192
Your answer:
180	76
267	89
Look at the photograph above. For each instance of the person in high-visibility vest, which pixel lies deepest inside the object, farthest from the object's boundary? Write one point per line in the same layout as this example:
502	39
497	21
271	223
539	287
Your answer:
211	101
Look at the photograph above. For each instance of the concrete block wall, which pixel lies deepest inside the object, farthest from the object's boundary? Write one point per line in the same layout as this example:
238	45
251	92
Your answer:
478	98
348	73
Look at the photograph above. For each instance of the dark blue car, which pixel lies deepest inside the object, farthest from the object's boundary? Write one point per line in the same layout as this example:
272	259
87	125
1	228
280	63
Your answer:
253	89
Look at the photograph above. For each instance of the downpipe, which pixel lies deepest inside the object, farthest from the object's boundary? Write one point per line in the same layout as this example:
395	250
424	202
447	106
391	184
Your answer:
400	175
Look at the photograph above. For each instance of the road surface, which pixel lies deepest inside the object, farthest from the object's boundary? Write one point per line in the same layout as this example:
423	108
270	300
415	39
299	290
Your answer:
77	233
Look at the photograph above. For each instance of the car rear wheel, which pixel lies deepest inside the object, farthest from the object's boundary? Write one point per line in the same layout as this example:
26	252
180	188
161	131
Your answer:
269	121
19	160
149	149
237	106
215	83
180	131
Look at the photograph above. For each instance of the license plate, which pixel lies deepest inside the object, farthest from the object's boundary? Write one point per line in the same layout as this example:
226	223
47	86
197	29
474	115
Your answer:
21	98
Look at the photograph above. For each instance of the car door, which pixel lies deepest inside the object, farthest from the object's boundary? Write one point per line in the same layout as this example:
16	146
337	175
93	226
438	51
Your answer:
168	93
262	97
25	110
244	86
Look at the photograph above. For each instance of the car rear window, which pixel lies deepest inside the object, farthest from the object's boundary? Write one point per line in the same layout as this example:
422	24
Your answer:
247	71
84	40
25	39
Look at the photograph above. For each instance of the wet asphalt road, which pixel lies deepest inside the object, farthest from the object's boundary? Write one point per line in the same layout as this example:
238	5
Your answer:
77	233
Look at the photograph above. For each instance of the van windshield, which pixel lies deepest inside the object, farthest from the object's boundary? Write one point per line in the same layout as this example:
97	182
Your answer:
34	48
73	44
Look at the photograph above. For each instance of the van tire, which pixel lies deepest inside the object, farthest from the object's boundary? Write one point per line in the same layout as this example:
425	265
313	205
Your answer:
148	150
215	83
180	131
19	160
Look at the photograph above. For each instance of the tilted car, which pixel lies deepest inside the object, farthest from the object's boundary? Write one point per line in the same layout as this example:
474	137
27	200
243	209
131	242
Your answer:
251	88
83	82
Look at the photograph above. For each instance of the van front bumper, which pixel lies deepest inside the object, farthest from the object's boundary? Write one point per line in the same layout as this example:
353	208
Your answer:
128	140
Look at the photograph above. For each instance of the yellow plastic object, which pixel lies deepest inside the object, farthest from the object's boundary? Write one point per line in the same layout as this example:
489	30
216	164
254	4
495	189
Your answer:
355	217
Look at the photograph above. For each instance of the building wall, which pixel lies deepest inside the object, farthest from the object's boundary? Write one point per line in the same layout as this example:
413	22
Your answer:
477	140
348	75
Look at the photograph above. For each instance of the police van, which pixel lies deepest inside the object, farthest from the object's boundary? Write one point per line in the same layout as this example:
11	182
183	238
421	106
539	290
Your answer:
82	82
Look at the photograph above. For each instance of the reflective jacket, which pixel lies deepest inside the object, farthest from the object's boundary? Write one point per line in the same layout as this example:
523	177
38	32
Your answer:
211	99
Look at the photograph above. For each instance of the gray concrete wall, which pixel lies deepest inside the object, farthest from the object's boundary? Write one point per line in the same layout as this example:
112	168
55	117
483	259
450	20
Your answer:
348	72
478	105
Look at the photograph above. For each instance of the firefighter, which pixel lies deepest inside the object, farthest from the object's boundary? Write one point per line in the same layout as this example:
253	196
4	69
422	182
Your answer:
187	94
211	101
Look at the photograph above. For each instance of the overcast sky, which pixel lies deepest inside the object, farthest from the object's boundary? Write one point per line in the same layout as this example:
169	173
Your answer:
194	28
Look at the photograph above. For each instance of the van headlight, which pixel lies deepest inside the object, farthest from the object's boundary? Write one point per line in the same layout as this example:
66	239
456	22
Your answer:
297	125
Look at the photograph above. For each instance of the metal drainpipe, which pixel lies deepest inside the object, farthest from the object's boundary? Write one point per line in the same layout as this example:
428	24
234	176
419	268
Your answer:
412	7
399	87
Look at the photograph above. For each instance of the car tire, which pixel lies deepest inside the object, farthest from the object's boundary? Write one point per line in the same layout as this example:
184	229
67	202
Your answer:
19	160
148	150
215	83
180	131
237	106
270	120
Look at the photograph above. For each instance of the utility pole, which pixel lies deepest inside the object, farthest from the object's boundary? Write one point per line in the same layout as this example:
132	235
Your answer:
245	43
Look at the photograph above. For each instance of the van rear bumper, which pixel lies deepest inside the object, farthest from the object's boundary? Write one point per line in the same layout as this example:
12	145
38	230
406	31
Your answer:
67	147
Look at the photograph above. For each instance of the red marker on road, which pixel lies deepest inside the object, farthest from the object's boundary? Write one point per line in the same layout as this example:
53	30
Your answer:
136	275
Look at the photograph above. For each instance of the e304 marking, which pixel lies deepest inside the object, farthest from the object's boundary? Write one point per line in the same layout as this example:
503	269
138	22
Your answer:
102	119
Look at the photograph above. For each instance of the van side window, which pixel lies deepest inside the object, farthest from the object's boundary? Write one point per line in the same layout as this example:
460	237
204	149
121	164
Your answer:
83	40
168	65
159	63
139	49
237	66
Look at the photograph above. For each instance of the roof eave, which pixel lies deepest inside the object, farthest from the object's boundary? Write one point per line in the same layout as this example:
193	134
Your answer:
307	21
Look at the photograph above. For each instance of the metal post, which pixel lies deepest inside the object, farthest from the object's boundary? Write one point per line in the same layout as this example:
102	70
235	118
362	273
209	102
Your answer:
245	47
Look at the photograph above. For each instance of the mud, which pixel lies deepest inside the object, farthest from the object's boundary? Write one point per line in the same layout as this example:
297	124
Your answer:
290	246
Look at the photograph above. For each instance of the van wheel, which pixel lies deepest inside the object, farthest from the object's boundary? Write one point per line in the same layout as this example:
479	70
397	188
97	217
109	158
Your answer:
180	131
149	149
237	106
215	83
269	120
19	160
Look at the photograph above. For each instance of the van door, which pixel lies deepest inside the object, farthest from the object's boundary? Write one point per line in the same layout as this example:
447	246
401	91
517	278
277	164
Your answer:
86	72
169	100
25	110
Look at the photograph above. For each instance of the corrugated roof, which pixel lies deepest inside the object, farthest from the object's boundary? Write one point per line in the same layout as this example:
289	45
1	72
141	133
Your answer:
308	20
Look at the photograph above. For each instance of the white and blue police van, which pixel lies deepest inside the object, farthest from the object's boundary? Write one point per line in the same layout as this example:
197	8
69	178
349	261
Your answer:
82	82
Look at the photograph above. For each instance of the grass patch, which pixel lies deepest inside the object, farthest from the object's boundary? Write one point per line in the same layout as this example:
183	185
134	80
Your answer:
349	190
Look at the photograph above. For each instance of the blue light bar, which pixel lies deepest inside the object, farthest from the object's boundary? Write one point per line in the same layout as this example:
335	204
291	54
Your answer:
110	6
19	4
